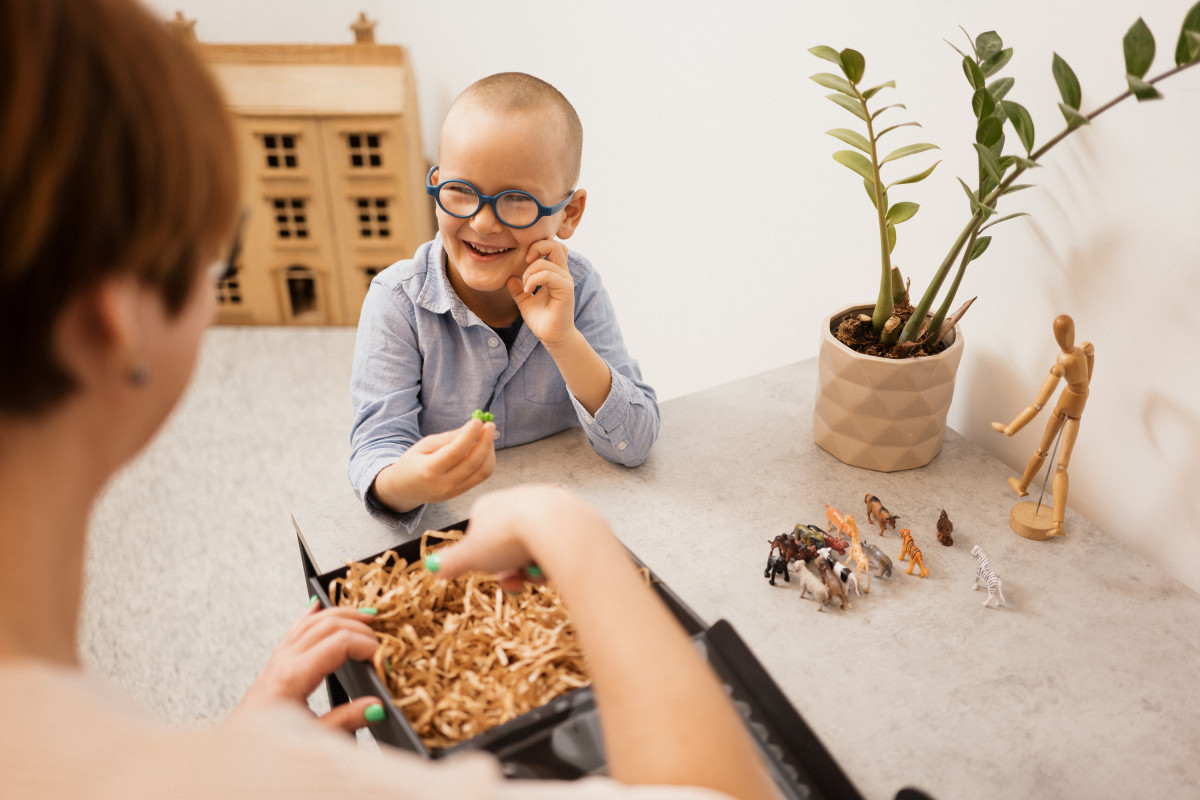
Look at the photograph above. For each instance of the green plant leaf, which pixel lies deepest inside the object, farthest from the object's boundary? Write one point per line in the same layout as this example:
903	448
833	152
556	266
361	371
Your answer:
976	206
1068	84
1139	49
974	74
988	44
853	64
885	108
982	103
999	87
920	176
856	162
1188	48
1018	115
996	63
874	90
954	47
898	287
827	53
852	138
990	131
891	234
835	82
879	135
1073	117
901	212
1002	219
981	244
870	187
988	163
908	150
1025	162
1142	90
1016	187
853	106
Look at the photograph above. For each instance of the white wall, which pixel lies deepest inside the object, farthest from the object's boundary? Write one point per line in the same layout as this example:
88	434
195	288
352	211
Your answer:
726	232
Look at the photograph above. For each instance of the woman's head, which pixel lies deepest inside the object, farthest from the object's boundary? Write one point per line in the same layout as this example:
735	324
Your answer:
116	160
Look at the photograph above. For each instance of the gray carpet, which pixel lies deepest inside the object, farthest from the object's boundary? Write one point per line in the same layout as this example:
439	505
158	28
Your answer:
193	571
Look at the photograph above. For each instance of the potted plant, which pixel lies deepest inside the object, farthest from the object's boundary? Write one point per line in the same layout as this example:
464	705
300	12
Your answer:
887	370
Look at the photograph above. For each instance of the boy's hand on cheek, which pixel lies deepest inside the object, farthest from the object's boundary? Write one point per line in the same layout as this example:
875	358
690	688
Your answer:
550	313
440	466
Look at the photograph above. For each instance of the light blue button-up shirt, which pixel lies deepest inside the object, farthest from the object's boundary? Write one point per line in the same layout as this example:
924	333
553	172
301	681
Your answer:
423	362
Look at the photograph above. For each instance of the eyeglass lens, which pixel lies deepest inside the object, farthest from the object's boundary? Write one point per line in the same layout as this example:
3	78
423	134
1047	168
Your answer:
512	208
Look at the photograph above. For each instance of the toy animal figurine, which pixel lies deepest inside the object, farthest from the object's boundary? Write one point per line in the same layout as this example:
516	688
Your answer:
843	572
985	577
809	534
832	583
834	519
882	516
776	564
856	557
877	556
911	553
835	542
944	528
811	584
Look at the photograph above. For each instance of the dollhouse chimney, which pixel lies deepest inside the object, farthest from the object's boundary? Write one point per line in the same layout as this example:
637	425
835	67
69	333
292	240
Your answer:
182	27
364	29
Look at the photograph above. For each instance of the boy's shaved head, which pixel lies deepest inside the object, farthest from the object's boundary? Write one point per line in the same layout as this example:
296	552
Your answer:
517	92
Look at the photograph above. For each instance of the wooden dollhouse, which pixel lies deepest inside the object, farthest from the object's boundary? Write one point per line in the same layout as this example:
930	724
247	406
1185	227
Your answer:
333	174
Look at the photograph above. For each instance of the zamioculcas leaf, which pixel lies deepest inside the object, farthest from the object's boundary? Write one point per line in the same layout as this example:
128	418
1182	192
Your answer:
908	150
1188	48
1139	50
981	244
1020	119
827	53
988	44
856	162
885	108
852	138
870	187
1073	117
996	63
1068	84
1016	187
982	103
920	176
853	64
1002	219
990	131
999	88
851	105
869	93
901	212
879	135
976	206
1025	162
988	163
835	82
1142	90
974	74
891	234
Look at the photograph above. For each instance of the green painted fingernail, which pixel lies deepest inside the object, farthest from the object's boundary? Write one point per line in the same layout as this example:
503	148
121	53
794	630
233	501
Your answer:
312	601
533	571
368	610
433	561
375	713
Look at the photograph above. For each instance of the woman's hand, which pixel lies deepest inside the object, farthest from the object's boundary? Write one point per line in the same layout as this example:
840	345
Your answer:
316	645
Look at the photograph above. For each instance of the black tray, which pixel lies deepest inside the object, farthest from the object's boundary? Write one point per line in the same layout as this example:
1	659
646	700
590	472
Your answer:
562	738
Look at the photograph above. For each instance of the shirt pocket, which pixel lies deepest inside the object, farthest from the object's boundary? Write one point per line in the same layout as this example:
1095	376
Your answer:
543	384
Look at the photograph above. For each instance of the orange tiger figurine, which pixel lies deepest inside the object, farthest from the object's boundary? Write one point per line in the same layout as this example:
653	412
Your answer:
911	553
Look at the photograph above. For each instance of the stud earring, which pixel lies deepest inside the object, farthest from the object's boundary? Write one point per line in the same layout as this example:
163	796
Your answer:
139	376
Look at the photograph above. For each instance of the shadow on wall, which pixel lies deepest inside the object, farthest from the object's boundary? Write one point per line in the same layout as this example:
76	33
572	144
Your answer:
1173	432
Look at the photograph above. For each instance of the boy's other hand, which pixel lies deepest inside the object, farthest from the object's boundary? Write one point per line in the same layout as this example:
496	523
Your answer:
550	313
439	466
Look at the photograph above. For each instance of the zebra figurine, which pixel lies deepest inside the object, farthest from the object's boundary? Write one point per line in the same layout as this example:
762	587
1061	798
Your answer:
985	577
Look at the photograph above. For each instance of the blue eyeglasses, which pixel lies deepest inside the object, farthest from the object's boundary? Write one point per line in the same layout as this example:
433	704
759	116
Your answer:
512	207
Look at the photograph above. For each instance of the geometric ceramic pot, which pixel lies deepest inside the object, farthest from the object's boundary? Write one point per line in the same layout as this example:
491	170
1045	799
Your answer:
885	414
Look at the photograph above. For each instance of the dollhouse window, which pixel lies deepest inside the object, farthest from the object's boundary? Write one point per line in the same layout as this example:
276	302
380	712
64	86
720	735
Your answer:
365	152
369	273
280	150
374	222
302	290
229	288
291	218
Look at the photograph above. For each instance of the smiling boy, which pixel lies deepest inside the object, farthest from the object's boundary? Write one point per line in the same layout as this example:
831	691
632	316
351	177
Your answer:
495	313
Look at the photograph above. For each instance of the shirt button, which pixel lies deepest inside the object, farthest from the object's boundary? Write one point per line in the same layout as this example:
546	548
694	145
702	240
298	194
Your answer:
622	445
493	342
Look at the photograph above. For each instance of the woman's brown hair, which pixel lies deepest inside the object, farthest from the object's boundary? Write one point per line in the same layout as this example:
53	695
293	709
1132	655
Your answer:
116	156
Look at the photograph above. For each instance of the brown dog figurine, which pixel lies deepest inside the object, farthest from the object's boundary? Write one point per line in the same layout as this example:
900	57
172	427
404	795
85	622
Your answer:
882	515
944	528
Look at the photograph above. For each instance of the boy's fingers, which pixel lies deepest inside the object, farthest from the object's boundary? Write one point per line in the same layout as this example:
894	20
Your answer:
455	444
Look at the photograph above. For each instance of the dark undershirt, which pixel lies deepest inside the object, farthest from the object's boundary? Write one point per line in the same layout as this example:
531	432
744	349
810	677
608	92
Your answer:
508	335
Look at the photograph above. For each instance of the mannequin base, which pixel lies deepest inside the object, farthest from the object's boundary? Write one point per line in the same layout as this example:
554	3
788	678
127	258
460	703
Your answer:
1031	522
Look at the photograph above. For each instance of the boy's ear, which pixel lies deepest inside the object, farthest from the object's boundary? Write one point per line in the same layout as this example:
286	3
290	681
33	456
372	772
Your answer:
572	214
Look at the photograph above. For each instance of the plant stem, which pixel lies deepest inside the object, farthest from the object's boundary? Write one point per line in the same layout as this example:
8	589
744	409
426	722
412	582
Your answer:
971	231
883	304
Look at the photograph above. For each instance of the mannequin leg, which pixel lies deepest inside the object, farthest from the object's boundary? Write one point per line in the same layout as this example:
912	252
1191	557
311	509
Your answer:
1061	481
1038	458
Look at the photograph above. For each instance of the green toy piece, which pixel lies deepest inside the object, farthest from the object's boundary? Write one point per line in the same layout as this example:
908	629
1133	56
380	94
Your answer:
482	416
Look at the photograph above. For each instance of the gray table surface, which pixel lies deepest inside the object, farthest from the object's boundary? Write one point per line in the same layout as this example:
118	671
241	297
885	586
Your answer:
1084	686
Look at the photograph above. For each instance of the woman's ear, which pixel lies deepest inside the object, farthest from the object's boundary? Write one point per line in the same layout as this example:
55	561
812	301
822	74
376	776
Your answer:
99	329
572	214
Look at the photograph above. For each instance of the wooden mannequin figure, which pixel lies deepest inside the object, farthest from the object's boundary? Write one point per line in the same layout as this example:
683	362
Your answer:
1074	365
